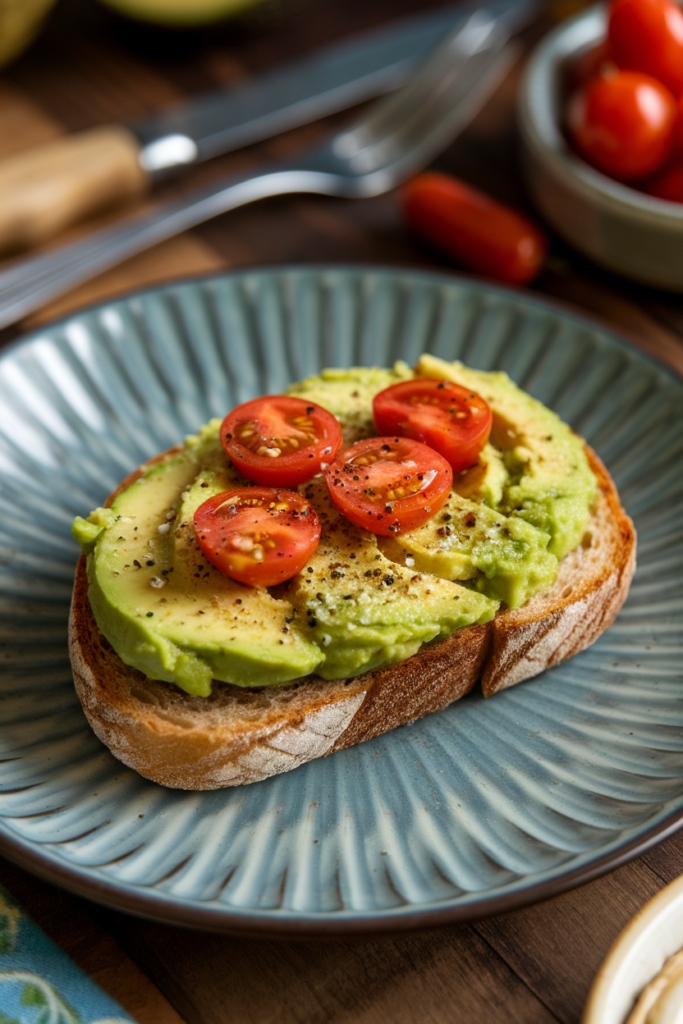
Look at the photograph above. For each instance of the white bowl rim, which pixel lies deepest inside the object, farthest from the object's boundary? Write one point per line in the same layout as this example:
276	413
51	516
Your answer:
541	130
639	932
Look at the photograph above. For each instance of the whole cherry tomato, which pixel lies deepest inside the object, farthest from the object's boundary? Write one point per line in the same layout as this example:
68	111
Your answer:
452	420
389	485
647	36
623	124
479	232
279	440
257	535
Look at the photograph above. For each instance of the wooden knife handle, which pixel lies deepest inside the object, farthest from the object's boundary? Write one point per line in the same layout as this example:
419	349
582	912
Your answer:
47	188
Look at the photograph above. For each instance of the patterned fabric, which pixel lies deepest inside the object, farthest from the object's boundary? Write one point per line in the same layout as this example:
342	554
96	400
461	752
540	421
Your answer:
39	983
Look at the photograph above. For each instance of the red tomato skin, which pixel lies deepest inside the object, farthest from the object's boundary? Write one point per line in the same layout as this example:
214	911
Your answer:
667	185
677	149
647	36
477	231
290	468
384	516
296	534
623	124
459	440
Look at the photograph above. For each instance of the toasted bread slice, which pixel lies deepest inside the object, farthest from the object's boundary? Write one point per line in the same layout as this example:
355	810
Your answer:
238	736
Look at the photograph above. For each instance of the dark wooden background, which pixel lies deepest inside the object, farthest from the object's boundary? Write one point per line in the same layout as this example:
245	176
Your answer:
532	966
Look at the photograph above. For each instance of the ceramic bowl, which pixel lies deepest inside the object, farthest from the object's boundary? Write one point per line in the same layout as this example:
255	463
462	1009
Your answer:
638	955
622	229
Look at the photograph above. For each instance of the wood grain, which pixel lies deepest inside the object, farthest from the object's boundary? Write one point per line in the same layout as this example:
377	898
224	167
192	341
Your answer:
557	946
23	124
666	860
446	975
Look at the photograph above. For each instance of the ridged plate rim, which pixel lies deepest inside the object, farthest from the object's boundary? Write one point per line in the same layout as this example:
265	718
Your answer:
348	924
161	906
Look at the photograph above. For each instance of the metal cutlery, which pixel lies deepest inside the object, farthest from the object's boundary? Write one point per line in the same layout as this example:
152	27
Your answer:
394	139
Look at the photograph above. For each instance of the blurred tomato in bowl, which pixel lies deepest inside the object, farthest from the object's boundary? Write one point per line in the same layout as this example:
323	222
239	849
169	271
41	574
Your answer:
606	217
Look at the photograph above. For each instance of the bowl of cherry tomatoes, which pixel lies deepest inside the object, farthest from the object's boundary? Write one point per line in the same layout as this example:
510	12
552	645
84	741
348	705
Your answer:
601	119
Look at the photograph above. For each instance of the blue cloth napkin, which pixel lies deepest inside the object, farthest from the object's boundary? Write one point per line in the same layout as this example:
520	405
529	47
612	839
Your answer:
39	983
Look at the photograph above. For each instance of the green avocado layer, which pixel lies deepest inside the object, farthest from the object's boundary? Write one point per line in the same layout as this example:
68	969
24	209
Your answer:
362	601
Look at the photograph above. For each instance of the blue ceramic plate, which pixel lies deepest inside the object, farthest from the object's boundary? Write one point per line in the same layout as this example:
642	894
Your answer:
477	809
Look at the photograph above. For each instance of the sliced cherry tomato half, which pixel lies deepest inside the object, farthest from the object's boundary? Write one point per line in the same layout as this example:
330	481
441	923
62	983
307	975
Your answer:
453	420
280	440
389	485
257	535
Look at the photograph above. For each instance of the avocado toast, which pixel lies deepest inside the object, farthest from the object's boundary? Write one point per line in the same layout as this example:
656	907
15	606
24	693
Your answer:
376	633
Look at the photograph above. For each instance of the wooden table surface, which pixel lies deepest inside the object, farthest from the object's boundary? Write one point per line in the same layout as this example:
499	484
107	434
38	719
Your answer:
532	966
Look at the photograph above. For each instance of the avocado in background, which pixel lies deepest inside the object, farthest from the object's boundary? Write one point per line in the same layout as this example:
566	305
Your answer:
20	21
180	12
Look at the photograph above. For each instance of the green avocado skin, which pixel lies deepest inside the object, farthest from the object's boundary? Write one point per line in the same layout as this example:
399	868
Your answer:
363	601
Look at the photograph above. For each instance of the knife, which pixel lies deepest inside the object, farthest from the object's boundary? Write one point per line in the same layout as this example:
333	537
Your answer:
49	187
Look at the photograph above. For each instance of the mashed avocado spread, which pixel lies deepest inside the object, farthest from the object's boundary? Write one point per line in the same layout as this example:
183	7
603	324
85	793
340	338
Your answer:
362	600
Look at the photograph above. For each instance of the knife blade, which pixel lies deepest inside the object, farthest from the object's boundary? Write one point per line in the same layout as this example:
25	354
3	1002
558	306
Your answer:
392	140
331	79
50	187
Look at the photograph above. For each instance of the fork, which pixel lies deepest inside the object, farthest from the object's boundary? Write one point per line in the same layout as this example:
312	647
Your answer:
396	137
